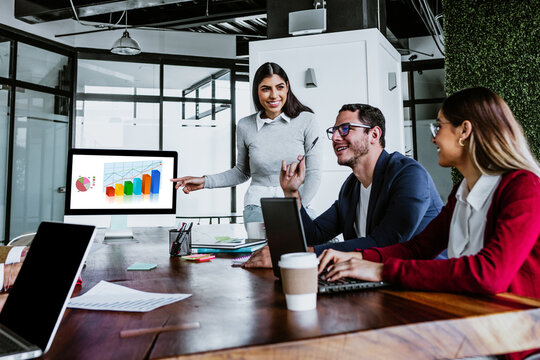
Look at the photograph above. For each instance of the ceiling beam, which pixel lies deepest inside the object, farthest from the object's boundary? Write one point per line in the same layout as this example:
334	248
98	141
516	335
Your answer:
211	19
28	11
122	5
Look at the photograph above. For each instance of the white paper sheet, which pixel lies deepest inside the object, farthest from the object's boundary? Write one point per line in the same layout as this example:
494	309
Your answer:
14	255
113	297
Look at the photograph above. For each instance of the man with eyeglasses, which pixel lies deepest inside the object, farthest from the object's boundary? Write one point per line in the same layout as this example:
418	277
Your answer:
387	199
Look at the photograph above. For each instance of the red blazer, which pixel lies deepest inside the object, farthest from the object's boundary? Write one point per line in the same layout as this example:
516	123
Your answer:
508	262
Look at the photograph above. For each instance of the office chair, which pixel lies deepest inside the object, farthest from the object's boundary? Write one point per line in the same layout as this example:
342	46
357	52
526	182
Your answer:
22	240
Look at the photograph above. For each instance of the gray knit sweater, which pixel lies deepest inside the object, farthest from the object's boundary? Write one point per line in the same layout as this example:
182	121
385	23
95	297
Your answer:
260	153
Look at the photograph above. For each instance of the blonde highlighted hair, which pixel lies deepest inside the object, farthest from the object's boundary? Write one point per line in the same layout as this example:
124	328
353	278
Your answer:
497	144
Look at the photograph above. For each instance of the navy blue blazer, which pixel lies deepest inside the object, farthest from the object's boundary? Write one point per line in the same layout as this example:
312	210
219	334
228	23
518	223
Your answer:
402	202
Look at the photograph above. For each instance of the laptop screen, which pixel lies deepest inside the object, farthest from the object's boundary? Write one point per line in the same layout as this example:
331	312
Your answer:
36	302
284	229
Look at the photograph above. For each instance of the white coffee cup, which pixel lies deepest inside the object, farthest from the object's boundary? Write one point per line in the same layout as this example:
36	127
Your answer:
299	280
255	230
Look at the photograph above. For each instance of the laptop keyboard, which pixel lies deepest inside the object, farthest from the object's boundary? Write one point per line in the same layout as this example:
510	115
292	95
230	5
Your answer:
346	284
8	346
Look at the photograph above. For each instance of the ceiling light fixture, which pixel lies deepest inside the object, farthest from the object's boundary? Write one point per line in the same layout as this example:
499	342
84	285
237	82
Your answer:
126	45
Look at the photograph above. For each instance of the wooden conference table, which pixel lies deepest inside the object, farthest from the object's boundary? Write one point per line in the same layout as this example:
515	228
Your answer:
242	314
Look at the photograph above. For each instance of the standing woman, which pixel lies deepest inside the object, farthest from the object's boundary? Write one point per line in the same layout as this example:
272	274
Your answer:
281	129
491	223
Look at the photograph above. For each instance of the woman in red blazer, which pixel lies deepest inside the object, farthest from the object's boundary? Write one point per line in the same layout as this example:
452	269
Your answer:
492	232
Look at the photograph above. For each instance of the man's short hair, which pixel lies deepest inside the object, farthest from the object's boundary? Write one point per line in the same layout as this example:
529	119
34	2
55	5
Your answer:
368	115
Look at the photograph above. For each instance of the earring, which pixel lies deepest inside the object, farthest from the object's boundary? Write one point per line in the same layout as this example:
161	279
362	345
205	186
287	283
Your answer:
460	141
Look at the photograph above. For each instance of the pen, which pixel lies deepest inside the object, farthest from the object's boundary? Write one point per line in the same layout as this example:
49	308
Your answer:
186	232
311	147
180	225
174	247
178	243
144	331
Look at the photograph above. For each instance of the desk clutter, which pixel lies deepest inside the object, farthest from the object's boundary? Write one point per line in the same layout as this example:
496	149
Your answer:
239	261
180	240
224	238
233	312
245	249
199	257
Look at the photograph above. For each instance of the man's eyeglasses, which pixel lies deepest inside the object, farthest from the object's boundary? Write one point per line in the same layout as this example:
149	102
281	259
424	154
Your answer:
343	129
434	127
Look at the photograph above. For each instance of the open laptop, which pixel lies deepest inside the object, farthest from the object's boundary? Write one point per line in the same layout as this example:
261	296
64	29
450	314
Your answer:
285	234
37	301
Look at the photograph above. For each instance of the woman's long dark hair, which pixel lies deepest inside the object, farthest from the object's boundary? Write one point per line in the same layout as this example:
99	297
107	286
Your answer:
293	107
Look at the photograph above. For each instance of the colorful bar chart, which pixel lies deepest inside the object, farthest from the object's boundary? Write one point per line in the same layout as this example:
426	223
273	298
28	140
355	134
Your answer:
137	179
128	187
137	186
146	180
119	190
154	183
109	191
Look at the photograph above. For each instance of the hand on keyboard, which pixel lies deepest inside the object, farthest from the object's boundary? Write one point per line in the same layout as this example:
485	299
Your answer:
355	268
331	256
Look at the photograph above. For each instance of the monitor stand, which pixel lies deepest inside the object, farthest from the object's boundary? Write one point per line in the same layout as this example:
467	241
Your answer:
118	231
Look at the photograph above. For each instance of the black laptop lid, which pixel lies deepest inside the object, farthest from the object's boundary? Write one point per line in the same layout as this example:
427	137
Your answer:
284	229
37	300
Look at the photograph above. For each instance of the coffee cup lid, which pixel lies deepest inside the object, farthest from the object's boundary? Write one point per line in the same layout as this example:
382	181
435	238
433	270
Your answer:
298	260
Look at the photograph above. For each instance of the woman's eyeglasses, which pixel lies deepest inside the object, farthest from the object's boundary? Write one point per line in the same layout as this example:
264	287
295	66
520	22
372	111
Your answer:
343	129
434	127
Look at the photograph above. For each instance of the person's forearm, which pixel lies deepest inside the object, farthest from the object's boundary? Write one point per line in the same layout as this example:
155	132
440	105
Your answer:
294	194
347	245
227	178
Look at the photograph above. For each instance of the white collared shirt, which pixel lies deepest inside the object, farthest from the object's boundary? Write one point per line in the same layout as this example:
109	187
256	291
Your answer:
261	121
469	218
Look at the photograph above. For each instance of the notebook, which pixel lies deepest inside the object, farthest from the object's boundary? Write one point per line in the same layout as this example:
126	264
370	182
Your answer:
37	301
285	234
222	236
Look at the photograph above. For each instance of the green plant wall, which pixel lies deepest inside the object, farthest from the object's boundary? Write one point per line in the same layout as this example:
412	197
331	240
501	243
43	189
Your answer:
496	44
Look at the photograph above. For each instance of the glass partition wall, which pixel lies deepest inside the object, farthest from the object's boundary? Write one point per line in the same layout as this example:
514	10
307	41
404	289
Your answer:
423	94
167	106
117	105
5	45
39	160
35	102
53	98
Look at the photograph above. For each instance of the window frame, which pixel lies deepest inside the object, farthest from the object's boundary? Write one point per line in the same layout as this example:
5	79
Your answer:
12	83
410	67
231	65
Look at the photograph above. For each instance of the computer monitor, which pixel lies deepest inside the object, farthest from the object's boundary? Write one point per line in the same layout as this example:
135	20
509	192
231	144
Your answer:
120	189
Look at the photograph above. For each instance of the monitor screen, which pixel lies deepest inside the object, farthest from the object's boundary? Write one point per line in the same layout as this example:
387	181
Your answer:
120	182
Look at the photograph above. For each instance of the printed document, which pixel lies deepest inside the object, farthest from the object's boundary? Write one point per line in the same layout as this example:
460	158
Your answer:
113	297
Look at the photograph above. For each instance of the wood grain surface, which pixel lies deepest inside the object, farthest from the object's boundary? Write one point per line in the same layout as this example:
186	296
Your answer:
242	314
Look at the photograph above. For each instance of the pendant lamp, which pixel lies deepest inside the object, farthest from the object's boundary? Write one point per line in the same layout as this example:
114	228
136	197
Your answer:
126	45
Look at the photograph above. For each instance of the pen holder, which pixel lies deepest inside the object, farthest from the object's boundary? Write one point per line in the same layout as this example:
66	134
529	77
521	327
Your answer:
179	242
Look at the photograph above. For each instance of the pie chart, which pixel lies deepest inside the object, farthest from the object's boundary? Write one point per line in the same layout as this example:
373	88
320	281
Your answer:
83	184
